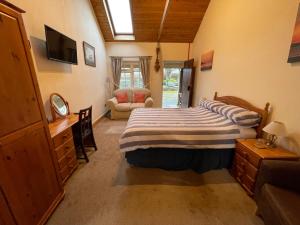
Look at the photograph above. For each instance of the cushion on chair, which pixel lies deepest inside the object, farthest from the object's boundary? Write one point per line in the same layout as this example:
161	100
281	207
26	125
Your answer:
279	206
138	97
137	105
123	107
142	90
122	97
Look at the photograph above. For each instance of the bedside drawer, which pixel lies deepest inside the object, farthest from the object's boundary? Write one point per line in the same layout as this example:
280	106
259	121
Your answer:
64	149
251	171
62	137
248	155
239	173
239	160
248	159
248	184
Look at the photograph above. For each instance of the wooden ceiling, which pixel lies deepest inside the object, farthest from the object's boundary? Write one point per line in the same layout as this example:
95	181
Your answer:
180	23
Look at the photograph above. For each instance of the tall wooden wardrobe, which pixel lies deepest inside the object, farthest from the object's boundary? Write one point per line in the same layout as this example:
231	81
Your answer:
29	186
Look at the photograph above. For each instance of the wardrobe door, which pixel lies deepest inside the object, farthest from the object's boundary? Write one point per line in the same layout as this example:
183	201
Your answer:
19	106
5	214
27	174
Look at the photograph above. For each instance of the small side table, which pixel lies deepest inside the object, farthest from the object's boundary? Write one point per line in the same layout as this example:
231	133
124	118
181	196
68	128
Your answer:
248	158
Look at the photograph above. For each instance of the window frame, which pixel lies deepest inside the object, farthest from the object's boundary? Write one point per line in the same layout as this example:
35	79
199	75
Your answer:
112	21
131	65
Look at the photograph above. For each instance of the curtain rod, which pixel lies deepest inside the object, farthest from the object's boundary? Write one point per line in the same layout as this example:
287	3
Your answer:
132	56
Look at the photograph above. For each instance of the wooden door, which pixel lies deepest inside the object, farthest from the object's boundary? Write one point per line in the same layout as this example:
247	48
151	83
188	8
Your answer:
6	217
185	90
186	84
19	106
28	180
27	174
188	63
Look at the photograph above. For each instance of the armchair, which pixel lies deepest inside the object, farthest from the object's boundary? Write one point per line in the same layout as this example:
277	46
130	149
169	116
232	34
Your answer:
123	110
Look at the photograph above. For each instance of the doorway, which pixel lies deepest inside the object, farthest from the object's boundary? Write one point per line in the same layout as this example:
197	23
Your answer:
171	83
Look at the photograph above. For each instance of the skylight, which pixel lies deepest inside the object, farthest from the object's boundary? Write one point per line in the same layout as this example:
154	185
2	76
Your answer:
120	15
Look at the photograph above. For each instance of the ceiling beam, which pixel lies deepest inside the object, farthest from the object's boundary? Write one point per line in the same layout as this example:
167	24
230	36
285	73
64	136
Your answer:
163	19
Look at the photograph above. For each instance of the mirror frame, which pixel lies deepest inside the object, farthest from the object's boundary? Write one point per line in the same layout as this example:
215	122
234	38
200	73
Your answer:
54	110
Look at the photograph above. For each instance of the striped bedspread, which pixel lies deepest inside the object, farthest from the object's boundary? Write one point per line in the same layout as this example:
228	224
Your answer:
194	128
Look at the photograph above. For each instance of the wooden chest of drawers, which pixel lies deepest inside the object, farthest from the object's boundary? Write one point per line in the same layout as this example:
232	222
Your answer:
248	158
62	138
65	153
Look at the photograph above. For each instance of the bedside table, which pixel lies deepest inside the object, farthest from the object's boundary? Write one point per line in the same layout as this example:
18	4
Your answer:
248	158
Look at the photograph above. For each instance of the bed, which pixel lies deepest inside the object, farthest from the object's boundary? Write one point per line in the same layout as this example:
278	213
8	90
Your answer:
196	138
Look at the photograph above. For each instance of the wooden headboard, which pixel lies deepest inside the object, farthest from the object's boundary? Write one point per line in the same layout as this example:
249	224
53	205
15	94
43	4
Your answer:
264	113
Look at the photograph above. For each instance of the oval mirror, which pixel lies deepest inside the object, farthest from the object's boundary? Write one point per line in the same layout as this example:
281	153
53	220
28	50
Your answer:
59	104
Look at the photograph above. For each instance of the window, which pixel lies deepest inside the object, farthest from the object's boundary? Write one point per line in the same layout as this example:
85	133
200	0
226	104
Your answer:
120	16
131	76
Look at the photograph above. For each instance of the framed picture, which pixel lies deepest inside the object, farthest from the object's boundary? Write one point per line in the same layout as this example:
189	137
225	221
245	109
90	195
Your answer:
89	54
294	55
207	61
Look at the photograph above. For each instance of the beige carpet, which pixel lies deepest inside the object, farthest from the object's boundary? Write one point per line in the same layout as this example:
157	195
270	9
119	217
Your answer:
107	191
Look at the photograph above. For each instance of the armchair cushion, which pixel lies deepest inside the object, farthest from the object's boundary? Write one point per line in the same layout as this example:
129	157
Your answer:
123	107
122	97
142	90
138	97
137	105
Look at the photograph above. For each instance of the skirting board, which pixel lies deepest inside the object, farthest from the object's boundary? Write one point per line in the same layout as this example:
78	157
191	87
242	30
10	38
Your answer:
99	118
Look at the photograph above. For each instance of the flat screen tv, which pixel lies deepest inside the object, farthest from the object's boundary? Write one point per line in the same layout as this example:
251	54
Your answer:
60	47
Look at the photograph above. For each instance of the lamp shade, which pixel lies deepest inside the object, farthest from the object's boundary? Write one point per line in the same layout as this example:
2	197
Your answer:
275	128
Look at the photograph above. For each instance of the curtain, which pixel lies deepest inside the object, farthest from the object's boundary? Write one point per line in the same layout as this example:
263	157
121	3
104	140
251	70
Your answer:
145	70
116	65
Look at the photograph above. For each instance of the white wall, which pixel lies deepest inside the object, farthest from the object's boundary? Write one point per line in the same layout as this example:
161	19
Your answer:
169	51
251	40
80	85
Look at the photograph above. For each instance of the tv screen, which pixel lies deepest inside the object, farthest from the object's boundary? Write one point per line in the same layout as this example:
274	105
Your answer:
60	47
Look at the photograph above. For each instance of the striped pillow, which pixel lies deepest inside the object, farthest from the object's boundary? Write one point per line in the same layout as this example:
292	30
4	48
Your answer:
240	116
211	105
